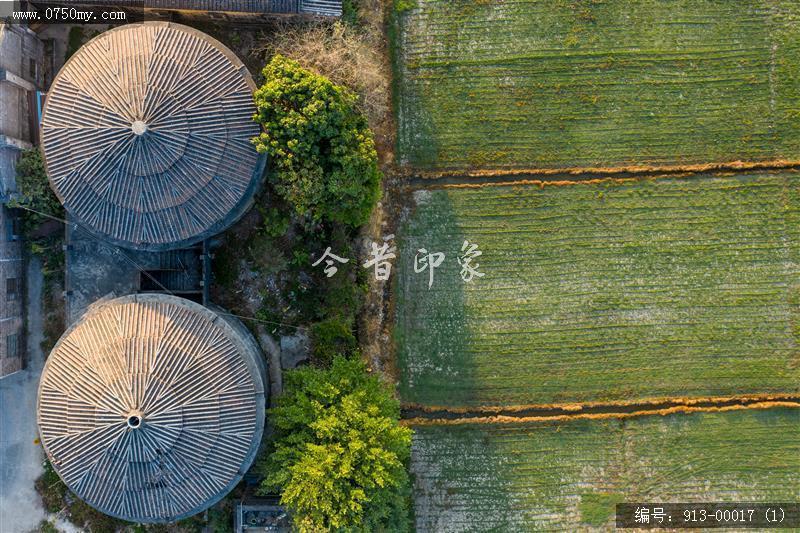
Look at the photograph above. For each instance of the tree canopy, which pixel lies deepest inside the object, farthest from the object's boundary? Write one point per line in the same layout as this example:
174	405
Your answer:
339	455
323	160
34	192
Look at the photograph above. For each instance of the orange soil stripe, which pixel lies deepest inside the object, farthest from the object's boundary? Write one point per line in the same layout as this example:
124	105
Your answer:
536	183
634	169
504	419
622	403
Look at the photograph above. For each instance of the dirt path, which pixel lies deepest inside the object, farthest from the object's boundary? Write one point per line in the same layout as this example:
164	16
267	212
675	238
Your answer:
420	415
273	352
20	457
477	179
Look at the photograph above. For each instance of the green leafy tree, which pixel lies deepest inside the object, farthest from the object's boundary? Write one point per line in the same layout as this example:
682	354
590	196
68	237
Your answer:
322	154
34	190
339	455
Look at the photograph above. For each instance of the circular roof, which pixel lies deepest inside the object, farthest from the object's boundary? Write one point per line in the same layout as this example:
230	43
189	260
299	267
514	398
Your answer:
146	136
151	407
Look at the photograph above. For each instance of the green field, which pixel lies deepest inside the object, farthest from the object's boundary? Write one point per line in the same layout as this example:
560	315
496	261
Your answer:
552	84
603	292
563	477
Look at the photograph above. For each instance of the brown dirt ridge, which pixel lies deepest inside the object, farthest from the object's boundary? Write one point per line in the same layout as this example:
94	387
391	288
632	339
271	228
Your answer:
417	415
584	176
513	173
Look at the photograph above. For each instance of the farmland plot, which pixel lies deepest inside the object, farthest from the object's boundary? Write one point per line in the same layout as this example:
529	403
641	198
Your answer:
523	477
613	291
543	84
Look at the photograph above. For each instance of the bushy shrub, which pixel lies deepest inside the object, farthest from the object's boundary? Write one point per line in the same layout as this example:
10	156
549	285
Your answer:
350	12
275	222
339	454
322	154
401	6
35	194
332	337
349	53
47	527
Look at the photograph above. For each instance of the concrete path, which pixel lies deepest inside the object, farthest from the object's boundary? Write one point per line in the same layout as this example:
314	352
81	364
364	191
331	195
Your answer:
273	351
20	457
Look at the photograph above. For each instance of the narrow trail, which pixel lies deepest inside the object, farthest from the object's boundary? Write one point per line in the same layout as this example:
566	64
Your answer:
415	415
485	178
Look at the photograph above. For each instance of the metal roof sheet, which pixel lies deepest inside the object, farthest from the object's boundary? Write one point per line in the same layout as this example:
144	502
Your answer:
146	136
151	407
331	8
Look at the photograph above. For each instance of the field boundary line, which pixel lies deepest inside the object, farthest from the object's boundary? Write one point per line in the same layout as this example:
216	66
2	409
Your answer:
612	409
573	176
733	166
511	419
657	402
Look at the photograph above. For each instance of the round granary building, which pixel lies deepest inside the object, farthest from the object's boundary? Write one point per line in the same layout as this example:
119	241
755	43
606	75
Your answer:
146	135
151	407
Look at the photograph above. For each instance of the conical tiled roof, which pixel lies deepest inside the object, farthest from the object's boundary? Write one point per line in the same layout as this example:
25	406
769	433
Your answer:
151	407
146	136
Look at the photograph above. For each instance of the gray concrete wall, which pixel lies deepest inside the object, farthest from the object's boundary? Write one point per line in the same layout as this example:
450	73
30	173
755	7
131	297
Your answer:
21	58
21	52
11	304
15	112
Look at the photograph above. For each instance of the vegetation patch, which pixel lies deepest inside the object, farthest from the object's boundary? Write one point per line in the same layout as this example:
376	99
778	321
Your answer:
323	160
597	292
51	489
339	456
273	279
35	196
331	337
41	214
349	54
598	84
567	476
597	508
323	183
